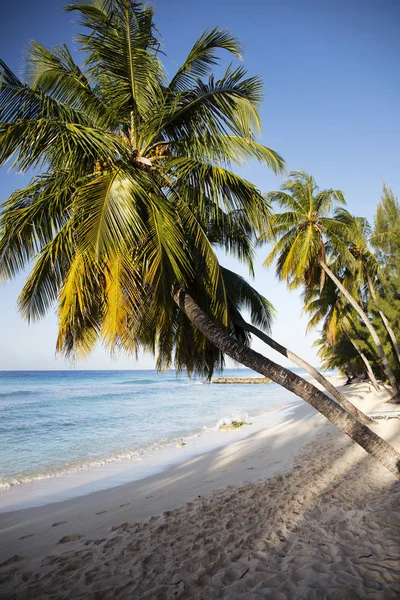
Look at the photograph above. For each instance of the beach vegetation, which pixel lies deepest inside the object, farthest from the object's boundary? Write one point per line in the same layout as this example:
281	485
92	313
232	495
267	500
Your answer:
317	238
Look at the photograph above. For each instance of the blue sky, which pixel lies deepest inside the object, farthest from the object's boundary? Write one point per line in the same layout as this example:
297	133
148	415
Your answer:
332	95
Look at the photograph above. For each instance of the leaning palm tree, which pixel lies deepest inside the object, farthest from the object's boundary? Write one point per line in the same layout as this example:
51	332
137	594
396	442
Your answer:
308	238
132	167
357	431
360	351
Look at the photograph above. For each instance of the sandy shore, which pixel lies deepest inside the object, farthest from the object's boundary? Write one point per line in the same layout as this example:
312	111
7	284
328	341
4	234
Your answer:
293	511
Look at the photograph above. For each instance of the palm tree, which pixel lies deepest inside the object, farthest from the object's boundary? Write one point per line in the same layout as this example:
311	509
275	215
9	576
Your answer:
130	164
308	238
364	359
132	168
386	231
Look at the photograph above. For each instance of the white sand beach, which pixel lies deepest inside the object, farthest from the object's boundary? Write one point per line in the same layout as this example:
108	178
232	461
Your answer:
295	510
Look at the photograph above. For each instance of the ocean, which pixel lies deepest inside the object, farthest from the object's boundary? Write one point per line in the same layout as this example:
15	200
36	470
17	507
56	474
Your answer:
56	422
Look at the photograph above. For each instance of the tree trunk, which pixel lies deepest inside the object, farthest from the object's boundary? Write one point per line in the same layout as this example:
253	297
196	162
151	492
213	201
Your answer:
307	367
361	434
385	320
374	335
365	360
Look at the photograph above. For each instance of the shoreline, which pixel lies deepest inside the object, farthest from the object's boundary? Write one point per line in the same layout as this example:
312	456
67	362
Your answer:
109	472
122	459
135	442
296	505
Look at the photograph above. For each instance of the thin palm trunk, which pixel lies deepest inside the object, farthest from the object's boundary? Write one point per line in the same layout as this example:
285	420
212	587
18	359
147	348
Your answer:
368	324
361	434
365	360
308	368
385	320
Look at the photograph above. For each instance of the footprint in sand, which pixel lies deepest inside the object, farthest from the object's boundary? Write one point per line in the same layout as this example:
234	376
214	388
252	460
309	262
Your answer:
69	538
57	523
13	559
101	512
23	537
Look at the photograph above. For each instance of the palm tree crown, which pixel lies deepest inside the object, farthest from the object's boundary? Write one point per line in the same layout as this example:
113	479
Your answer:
306	232
135	184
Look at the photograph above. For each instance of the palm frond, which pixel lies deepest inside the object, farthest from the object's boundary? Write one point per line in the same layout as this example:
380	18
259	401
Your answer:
203	56
42	287
224	107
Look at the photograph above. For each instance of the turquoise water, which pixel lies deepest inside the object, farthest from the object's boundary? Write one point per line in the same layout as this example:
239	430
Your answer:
59	421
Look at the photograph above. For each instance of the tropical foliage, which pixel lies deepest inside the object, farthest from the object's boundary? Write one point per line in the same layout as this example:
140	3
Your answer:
135	184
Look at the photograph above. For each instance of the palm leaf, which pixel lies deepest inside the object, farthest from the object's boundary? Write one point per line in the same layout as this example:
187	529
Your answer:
203	56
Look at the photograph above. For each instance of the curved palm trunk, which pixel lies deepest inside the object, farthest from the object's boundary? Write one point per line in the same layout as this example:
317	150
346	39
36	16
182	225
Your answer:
308	368
365	360
385	320
358	432
374	335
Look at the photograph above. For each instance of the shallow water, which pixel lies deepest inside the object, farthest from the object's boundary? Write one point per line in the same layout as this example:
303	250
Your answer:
52	422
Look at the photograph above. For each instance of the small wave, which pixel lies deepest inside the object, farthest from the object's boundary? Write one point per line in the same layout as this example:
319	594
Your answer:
17	393
68	469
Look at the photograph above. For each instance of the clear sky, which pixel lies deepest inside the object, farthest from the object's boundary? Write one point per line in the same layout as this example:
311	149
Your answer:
332	98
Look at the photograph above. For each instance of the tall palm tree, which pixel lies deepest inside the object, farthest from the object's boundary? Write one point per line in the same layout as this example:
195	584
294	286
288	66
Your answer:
386	231
132	168
308	237
131	163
